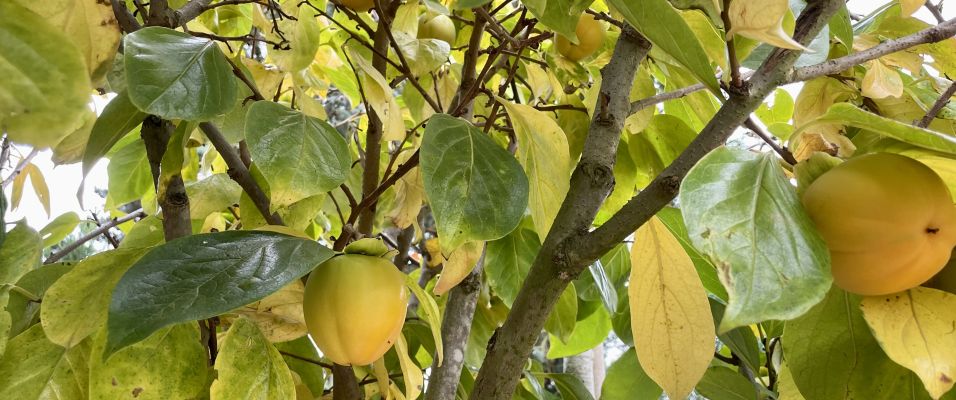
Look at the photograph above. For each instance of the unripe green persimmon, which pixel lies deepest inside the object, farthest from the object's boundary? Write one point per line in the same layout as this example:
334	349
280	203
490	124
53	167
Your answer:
887	219
355	307
438	27
358	5
591	33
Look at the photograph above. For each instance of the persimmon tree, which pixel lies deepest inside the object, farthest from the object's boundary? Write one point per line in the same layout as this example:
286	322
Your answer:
545	175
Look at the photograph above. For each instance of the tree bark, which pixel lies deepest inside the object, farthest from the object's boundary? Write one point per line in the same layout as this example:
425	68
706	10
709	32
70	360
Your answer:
172	199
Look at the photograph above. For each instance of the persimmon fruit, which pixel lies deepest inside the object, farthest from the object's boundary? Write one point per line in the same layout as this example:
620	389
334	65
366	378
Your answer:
355	307
438	27
591	34
888	221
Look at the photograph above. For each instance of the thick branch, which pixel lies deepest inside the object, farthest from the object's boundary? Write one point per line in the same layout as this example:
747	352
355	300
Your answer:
189	11
127	21
172	197
105	227
734	112
591	182
240	173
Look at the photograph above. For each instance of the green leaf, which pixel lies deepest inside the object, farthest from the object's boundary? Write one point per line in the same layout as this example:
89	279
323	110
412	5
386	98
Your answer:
626	380
841	26
23	311
45	87
118	118
75	307
832	354
564	315
848	114
779	112
59	228
201	276
560	15
428	310
476	189
249	366
170	364
654	148
569	385
35	368
607	278
467	4
311	374
304	34
741	341
211	194
743	213
129	174
722	383
588	332
660	23
674	221
177	76
20	253
508	260
300	156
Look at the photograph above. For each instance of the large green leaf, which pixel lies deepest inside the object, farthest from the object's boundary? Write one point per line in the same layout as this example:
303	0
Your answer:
832	354
129	172
75	306
176	75
312	375
35	368
45	86
170	364
743	213
741	341
476	189
249	366
300	156
848	114
118	118
660	23
626	380
588	332
201	276
508	260
564	315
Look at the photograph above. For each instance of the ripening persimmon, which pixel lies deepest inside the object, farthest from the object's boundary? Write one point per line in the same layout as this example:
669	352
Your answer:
591	34
358	5
438	27
355	307
887	219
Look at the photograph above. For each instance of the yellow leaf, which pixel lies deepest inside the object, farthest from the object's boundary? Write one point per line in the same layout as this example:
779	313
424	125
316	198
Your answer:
379	96
762	20
303	35
213	223
915	329
91	27
670	316
381	377
267	78
411	374
279	316
908	7
543	152
816	97
880	81
538	80
804	144
458	265
409	195
39	187
433	248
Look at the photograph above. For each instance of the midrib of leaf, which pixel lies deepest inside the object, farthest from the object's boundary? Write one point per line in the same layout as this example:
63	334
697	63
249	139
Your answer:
919	326
189	64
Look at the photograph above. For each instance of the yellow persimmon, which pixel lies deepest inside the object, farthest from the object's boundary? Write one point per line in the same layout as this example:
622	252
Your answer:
887	219
438	27
591	34
355	307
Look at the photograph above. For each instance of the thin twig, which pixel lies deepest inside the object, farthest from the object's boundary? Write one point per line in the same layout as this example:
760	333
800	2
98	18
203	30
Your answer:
935	9
93	234
306	359
20	166
941	102
751	123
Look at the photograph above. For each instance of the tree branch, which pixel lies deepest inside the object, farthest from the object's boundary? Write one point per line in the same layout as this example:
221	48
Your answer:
941	102
171	194
20	165
785	154
735	111
240	173
188	12
127	21
591	182
93	234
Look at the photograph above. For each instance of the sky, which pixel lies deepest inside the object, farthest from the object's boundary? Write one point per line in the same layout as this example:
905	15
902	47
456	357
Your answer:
64	180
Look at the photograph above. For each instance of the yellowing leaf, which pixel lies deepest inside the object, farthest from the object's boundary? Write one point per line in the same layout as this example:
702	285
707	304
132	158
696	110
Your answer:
91	27
762	20
915	329
815	99
279	315
429	312
411	374
381	378
908	7
880	81
543	153
409	195
379	96
250	367
805	143
539	81
670	317
458	265
303	36
39	187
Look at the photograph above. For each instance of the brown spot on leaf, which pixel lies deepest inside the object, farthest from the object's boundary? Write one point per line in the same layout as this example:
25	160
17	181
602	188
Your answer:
945	378
137	391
